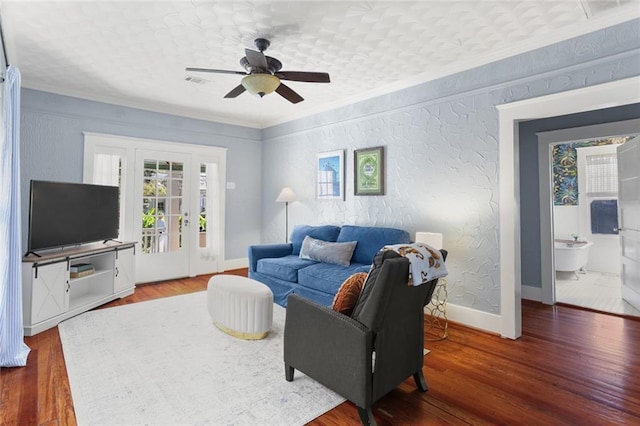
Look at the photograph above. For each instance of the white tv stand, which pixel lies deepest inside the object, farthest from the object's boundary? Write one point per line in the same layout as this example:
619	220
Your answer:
50	295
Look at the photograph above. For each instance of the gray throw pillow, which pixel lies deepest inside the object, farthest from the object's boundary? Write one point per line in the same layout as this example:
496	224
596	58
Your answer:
324	251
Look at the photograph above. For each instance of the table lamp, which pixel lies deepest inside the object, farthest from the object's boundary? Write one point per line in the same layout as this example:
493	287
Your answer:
432	239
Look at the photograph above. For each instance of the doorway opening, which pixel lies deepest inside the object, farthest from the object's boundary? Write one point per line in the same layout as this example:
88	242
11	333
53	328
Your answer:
621	93
587	254
580	245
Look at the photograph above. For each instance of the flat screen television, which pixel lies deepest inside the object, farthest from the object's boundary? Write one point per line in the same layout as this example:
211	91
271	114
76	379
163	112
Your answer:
67	214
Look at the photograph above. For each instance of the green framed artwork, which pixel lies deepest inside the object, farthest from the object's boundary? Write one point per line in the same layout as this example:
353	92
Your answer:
368	171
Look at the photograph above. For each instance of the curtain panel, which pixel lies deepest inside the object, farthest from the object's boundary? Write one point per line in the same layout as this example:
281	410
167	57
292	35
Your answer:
13	351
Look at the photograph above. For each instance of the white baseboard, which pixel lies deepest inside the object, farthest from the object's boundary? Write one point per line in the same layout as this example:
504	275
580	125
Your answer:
531	293
467	316
483	320
473	318
230	264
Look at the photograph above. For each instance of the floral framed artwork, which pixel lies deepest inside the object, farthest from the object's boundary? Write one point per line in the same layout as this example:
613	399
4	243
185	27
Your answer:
368	171
330	175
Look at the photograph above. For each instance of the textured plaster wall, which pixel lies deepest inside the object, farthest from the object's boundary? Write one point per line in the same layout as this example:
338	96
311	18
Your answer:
52	140
441	141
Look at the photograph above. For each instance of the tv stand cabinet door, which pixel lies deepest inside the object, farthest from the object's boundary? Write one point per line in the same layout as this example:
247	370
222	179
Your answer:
124	270
49	292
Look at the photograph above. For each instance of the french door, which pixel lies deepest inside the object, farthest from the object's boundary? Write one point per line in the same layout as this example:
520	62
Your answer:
163	191
172	201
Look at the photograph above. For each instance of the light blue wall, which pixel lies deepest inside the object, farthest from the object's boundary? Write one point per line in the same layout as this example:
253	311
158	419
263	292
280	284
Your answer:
51	146
441	142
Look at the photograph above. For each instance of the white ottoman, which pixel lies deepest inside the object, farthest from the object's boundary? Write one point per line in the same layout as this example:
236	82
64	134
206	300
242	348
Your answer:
240	306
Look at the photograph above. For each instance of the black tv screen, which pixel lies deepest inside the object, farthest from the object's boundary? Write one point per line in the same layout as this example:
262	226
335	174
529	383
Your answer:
67	214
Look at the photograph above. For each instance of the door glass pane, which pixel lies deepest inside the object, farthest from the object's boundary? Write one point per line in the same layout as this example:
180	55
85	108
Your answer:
162	207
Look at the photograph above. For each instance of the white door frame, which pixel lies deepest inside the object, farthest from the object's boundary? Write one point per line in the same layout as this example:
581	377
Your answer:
99	142
606	95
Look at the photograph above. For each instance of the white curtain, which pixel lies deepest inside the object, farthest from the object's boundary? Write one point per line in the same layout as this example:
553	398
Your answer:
213	211
106	169
13	351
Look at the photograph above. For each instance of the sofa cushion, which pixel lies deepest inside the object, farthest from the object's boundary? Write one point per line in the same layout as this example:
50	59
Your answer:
327	277
285	268
348	294
324	251
323	232
370	240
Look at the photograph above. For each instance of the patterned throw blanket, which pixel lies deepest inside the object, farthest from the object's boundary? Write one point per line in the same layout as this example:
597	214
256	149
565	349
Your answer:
426	263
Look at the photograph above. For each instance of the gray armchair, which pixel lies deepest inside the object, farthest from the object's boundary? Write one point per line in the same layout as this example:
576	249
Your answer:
364	356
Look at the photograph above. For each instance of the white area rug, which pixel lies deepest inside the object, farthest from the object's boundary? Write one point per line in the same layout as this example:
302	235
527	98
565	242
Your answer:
164	362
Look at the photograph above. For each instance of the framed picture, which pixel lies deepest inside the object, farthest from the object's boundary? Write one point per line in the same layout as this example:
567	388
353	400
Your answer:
368	171
330	180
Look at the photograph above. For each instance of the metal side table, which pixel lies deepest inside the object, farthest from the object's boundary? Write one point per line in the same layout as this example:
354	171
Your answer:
436	322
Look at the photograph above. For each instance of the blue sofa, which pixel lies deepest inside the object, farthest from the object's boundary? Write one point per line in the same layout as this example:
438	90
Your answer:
281	268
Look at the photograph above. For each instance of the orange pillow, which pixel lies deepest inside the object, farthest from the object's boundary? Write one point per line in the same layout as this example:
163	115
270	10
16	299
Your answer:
347	296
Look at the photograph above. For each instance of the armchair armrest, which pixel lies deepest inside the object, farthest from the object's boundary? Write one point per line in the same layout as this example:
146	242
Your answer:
329	347
262	251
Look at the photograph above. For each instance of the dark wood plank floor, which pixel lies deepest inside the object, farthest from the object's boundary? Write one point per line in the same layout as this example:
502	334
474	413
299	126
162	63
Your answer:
570	367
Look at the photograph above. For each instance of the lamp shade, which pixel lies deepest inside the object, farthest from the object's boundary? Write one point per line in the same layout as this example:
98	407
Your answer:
432	239
286	195
260	84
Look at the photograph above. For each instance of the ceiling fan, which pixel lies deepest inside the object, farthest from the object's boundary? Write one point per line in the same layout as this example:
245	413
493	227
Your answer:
263	75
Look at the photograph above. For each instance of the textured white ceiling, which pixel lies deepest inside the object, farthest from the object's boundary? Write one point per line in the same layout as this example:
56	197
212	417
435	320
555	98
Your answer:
134	53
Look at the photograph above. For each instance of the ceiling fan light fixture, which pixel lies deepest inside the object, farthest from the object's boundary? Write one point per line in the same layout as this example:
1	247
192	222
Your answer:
260	84
262	75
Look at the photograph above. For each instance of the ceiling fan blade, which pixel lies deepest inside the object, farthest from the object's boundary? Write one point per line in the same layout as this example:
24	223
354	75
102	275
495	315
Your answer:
309	77
256	59
239	89
289	94
215	71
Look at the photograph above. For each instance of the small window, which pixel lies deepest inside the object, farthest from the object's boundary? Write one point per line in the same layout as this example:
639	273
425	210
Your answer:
602	175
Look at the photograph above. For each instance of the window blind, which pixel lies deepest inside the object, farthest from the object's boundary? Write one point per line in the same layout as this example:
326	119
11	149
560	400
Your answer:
602	175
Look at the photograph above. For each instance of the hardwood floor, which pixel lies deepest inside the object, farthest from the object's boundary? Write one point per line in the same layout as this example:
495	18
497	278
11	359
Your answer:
570	367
